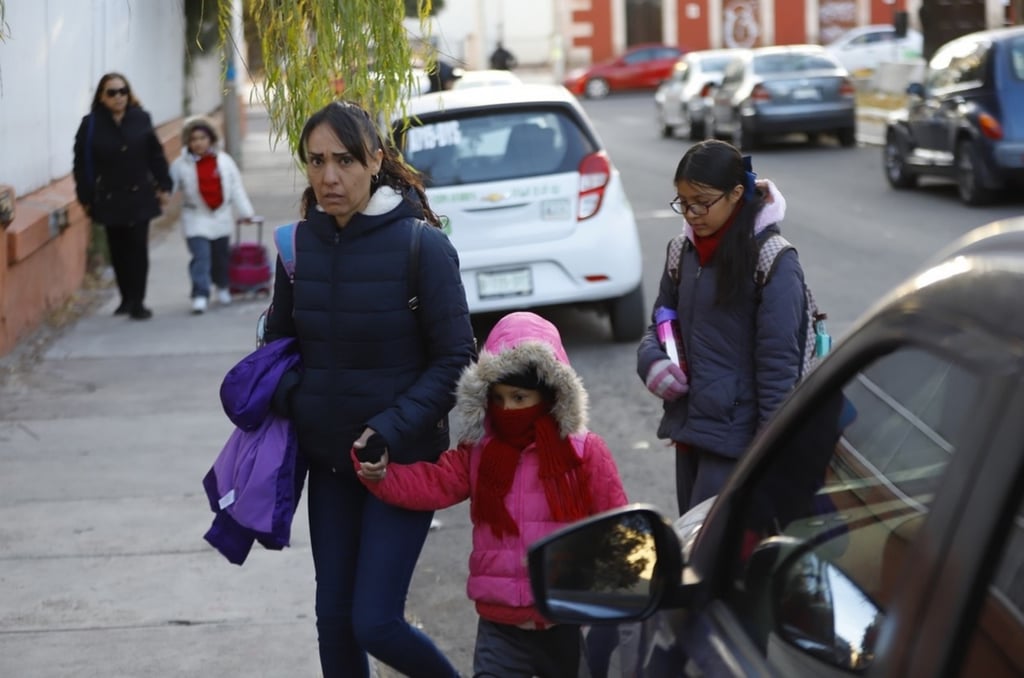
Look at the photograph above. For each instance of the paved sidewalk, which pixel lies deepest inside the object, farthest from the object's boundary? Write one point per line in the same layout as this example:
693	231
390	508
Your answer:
103	446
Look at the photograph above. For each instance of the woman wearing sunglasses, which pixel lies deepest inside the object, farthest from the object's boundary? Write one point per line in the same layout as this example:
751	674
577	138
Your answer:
122	180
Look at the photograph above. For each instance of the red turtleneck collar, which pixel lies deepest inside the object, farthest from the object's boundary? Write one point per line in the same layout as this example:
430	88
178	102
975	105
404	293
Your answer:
707	245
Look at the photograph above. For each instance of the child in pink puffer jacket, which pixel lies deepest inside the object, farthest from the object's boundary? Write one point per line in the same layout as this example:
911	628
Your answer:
529	467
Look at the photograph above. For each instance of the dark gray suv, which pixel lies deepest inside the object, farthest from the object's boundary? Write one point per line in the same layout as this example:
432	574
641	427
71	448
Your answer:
875	527
966	120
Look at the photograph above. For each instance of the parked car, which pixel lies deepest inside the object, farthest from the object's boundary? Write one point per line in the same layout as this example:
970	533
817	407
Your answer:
681	99
875	527
964	121
865	47
781	90
535	207
640	67
486	78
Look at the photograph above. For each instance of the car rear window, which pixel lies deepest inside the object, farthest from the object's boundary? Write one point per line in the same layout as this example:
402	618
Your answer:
451	150
715	64
790	62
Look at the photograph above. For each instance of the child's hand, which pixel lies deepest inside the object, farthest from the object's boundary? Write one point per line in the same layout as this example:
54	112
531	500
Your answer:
374	470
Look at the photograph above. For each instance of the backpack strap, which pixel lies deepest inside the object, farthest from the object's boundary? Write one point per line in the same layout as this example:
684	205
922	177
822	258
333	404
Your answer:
768	258
673	259
284	238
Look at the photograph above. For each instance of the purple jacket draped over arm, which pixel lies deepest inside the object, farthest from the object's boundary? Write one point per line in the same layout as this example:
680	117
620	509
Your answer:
256	481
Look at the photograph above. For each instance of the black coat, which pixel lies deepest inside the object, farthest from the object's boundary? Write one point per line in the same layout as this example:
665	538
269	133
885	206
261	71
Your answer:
367	359
128	166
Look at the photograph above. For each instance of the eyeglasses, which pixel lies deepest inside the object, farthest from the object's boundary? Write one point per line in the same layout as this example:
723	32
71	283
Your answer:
113	92
697	209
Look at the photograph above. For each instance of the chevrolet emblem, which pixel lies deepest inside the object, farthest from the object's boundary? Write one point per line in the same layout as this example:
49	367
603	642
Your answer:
494	197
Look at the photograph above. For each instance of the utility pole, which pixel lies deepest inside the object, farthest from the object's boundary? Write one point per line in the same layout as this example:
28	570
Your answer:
232	109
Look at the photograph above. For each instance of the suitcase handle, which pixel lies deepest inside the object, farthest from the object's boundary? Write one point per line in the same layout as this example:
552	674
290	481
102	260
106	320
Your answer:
255	219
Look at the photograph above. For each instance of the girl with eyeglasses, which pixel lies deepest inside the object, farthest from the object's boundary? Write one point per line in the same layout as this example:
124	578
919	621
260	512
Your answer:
122	181
741	343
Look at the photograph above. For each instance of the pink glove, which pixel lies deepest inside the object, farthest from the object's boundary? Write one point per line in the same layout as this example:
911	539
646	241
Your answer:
667	381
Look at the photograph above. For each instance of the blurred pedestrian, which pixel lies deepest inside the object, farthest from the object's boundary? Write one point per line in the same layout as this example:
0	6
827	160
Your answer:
502	59
122	181
443	75
374	366
528	466
214	197
742	343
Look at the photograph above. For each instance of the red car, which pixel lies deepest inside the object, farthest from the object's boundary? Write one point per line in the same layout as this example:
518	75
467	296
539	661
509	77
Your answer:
640	67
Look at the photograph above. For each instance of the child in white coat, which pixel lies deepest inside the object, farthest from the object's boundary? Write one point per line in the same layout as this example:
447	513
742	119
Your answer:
214	197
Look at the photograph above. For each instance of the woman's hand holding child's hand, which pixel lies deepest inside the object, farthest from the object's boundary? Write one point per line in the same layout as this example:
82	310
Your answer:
667	381
370	452
374	470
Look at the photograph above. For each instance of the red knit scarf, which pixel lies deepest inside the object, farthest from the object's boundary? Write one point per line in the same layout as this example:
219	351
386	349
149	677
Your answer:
209	181
564	485
707	245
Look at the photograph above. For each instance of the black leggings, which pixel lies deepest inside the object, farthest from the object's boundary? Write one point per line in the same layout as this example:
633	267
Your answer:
129	256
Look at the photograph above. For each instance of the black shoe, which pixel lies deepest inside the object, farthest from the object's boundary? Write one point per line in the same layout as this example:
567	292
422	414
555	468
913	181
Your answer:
122	309
140	313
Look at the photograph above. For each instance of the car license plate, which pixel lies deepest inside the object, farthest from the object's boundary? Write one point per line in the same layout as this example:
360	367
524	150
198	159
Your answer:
512	283
806	94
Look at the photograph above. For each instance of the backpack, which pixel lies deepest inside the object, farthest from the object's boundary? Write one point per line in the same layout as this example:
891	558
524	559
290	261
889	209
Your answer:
284	239
817	341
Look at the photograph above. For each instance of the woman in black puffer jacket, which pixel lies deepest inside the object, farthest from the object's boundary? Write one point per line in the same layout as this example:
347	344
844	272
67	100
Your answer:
122	181
371	366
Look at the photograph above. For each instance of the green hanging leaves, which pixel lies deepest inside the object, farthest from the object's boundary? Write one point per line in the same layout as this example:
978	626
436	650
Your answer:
317	51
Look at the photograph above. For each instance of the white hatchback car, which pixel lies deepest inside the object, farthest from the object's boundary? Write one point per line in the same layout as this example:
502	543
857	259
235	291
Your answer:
865	47
533	204
682	99
486	78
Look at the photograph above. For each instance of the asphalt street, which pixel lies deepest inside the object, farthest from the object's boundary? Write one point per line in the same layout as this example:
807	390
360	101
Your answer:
104	443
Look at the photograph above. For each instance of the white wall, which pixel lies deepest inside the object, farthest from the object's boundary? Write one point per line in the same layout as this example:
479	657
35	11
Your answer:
467	30
52	61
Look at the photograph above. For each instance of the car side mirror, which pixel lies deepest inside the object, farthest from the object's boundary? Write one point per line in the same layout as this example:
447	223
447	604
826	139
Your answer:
915	89
824	614
613	567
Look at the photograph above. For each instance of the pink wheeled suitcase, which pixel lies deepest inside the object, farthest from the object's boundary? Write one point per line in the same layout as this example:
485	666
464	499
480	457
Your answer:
250	268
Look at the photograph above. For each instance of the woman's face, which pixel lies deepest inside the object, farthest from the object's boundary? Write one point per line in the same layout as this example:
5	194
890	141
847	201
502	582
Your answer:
341	183
718	206
115	95
199	142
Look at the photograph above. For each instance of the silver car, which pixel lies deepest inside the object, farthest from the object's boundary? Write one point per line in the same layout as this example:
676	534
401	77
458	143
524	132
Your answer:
681	99
773	91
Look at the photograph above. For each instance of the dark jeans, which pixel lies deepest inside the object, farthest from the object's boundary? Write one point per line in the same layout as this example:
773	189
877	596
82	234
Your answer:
364	552
209	264
504	651
699	474
129	257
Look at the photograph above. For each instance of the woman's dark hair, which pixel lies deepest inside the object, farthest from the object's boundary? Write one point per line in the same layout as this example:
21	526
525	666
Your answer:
354	127
97	98
719	165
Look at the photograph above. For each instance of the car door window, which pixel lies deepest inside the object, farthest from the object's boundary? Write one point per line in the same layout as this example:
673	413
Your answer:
959	64
638	57
996	645
829	519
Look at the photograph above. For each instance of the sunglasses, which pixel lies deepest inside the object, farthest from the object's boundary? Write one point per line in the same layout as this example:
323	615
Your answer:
112	92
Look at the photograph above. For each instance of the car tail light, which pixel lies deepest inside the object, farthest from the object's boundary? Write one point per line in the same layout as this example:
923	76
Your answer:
760	93
990	127
846	89
595	173
705	91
